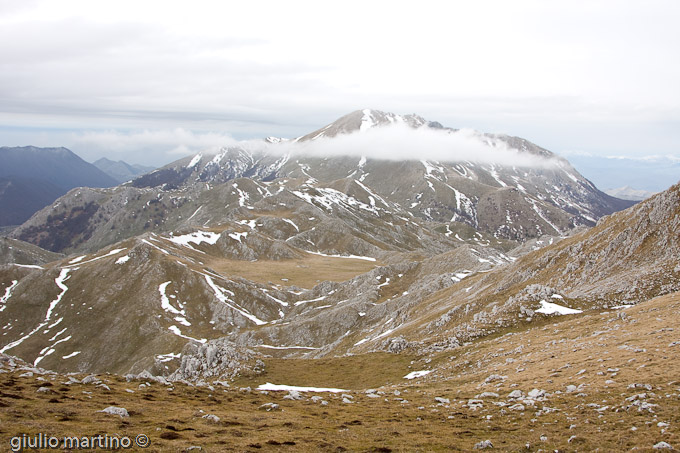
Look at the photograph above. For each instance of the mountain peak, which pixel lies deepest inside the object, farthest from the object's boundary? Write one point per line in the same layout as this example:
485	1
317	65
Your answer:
362	120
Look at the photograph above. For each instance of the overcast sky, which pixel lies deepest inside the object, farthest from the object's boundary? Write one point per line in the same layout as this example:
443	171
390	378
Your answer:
149	82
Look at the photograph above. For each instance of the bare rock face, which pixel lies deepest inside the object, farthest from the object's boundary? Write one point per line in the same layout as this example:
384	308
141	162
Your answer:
215	359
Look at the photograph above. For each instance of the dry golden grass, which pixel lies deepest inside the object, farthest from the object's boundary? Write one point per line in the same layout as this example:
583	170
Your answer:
304	273
551	353
357	372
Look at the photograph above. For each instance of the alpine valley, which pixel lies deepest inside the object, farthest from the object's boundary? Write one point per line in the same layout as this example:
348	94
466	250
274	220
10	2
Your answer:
431	276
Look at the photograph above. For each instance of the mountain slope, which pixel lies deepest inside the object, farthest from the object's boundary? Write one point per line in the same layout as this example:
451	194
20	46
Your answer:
184	289
31	178
18	252
20	197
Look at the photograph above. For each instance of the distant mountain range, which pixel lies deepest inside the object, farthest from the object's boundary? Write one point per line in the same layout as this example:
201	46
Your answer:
32	178
650	173
628	193
119	170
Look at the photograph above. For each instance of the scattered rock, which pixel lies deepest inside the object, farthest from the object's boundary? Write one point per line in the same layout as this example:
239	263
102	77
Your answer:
91	379
494	378
293	395
483	444
441	400
269	407
516	394
211	418
475	404
662	446
113	410
44	390
536	393
488	395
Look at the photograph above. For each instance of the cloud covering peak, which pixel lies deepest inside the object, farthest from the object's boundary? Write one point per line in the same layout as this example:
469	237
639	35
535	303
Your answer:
401	142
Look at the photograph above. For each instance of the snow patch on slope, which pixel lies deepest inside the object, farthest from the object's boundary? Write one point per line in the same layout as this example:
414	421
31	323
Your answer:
221	295
8	294
549	308
288	388
196	237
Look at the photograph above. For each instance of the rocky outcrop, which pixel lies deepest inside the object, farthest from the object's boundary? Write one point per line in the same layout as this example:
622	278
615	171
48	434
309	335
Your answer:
216	359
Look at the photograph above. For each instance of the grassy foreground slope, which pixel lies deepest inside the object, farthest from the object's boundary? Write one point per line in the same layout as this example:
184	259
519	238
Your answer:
602	380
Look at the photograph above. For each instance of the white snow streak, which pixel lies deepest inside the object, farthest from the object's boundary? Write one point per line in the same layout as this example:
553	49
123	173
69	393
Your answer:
278	301
195	160
176	331
8	294
292	223
284	347
287	388
195	212
197	238
310	300
165	302
237	236
548	308
63	276
29	266
112	252
417	374
367	258
220	293
168	357
155	246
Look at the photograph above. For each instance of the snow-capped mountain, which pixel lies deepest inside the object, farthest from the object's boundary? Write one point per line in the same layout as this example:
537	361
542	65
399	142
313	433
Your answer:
528	193
362	120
